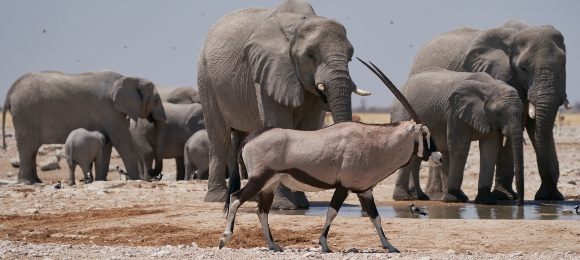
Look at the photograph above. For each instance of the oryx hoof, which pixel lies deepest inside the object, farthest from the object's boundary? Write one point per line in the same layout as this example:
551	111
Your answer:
222	242
275	248
392	249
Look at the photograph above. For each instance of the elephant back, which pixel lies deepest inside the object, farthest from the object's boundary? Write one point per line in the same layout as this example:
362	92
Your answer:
436	52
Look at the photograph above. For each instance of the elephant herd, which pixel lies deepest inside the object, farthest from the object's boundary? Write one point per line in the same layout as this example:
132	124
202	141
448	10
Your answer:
286	67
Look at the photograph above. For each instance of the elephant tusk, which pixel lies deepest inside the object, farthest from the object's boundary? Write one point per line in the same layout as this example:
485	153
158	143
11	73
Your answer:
504	141
320	86
361	92
567	104
531	110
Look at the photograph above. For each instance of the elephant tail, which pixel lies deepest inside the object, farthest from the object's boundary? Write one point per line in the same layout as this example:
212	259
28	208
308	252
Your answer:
6	107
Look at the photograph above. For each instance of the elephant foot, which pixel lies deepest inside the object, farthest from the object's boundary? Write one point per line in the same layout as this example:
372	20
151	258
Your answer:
29	180
485	196
401	194
71	183
504	192
284	199
216	195
455	196
435	195
301	200
543	194
418	194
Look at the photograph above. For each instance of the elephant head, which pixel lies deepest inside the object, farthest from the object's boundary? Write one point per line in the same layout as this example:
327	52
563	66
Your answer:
138	98
533	60
291	53
493	106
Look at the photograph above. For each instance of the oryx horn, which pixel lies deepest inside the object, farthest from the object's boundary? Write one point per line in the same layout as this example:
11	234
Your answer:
393	89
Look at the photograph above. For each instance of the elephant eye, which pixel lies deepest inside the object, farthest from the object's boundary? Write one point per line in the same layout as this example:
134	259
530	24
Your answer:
524	70
310	55
499	115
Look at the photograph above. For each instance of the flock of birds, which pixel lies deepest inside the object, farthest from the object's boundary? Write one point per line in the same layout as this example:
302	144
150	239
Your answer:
89	177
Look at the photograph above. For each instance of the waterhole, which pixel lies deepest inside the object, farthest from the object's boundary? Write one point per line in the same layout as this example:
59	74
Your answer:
532	210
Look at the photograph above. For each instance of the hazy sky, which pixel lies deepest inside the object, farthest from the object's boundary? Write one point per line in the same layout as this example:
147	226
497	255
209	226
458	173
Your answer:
161	40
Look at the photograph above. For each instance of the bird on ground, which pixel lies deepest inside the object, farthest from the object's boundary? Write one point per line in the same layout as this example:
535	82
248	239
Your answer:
416	211
57	187
576	208
157	178
88	177
121	171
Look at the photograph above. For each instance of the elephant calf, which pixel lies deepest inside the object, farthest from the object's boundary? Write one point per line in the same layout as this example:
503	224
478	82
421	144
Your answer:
156	141
84	147
460	107
196	155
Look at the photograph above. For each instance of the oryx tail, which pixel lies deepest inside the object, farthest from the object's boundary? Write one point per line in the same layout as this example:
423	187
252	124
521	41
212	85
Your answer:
234	183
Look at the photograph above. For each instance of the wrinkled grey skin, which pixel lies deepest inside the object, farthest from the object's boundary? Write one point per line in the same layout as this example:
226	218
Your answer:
260	67
460	107
178	95
531	59
157	141
46	106
84	148
196	155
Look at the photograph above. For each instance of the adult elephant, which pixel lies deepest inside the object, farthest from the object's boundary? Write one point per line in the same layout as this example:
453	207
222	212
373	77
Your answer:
46	106
271	67
529	58
156	141
460	107
178	95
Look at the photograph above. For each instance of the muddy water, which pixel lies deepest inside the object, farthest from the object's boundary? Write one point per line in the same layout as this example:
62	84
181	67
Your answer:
532	210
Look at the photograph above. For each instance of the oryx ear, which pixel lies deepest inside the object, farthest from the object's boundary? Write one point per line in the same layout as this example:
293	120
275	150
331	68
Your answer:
267	53
468	102
490	52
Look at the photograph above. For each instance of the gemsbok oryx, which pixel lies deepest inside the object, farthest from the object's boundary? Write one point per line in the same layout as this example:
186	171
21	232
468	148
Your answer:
347	156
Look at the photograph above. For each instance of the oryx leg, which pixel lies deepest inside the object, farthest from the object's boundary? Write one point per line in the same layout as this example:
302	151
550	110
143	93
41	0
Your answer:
369	204
340	194
266	199
252	188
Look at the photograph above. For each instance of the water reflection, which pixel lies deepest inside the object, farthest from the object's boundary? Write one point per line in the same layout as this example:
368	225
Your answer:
437	210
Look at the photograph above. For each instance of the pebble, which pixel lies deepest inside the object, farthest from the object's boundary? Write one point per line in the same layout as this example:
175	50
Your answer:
31	211
162	253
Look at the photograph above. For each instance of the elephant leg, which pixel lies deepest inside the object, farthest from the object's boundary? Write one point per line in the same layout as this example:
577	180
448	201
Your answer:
122	140
71	174
99	176
190	167
504	175
140	168
219	134
27	151
554	169
438	178
415	185
457	160
180	169
105	162
488	150
402	191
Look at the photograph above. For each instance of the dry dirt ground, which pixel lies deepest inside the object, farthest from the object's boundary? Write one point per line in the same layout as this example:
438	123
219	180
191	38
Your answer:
134	220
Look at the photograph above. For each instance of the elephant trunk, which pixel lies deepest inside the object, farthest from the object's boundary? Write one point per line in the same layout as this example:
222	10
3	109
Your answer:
516	136
546	97
160	132
339	99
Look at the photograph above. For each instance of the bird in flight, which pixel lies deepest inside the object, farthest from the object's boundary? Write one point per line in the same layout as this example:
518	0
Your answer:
416	211
43	30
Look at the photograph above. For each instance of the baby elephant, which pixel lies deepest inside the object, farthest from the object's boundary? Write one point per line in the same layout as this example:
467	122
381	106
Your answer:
84	147
196	155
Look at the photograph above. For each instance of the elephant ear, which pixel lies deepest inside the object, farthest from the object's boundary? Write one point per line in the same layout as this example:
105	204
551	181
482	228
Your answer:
490	52
132	95
267	53
195	118
468	103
